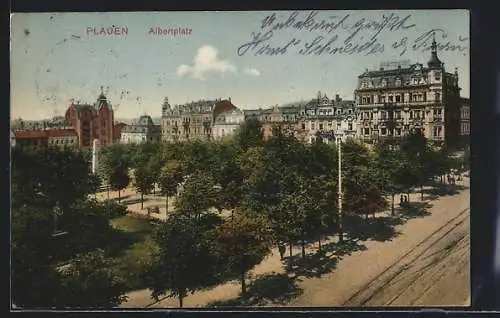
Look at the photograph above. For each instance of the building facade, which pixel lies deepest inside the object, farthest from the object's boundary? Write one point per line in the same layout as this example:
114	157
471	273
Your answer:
226	122
117	131
465	121
142	131
92	122
192	121
399	99
46	138
62	138
324	118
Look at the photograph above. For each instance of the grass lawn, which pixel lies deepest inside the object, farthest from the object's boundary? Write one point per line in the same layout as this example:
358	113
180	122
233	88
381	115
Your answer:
133	248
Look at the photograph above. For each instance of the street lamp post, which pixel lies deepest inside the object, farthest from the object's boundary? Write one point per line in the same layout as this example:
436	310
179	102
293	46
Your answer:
339	136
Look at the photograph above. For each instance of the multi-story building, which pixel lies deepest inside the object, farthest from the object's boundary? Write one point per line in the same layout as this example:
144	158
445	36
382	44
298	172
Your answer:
226	121
465	121
62	137
46	138
400	98
31	138
192	121
92	121
142	131
326	117
117	131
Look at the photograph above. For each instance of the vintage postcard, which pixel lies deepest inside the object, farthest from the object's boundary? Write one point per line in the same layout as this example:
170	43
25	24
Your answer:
240	159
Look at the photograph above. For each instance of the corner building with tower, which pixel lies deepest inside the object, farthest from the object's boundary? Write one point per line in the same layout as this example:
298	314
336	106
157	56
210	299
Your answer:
401	98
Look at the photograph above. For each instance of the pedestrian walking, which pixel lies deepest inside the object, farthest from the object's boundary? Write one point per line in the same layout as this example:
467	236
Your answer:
281	247
401	200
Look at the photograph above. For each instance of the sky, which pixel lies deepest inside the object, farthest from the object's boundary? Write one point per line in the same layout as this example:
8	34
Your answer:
57	57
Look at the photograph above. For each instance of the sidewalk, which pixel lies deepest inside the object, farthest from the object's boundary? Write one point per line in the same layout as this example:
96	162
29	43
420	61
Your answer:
318	291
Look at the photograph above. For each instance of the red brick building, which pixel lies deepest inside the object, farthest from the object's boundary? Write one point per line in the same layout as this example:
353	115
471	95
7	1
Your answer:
92	122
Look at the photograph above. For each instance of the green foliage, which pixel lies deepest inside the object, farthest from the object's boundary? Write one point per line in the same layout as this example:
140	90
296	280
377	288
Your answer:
241	242
184	262
113	209
250	134
197	196
170	177
90	281
44	180
114	166
49	174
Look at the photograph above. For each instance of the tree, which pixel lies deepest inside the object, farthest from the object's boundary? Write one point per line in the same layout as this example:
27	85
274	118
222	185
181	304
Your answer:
185	261
89	281
169	179
115	164
197	196
388	163
242	242
143	181
250	134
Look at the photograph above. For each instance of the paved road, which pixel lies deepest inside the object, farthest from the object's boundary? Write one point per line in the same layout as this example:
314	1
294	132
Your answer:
426	265
433	273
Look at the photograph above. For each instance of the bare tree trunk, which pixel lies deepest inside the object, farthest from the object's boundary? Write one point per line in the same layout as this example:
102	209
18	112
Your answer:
422	192
166	204
142	201
290	245
108	191
408	197
181	300
303	247
319	244
119	196
243	284
392	204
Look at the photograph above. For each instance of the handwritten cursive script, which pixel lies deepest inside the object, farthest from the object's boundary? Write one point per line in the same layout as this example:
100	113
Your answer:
343	35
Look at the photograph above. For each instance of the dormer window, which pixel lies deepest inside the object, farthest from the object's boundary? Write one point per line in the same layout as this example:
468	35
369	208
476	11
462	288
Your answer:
415	80
398	82
437	76
364	84
384	82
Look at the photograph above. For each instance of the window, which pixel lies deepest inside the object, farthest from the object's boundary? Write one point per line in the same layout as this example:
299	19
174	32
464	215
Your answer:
398	98
391	99
417	114
364	84
411	114
303	126
415	80
398	82
381	99
438	97
384	82
312	126
367	131
437	76
383	131
398	114
321	126
398	131
383	115
371	115
349	126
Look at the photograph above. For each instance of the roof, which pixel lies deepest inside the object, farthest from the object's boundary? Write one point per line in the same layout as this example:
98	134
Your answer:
61	133
38	134
30	134
223	106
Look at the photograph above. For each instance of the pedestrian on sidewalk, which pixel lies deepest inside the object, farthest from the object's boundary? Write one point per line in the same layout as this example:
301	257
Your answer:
401	200
281	247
